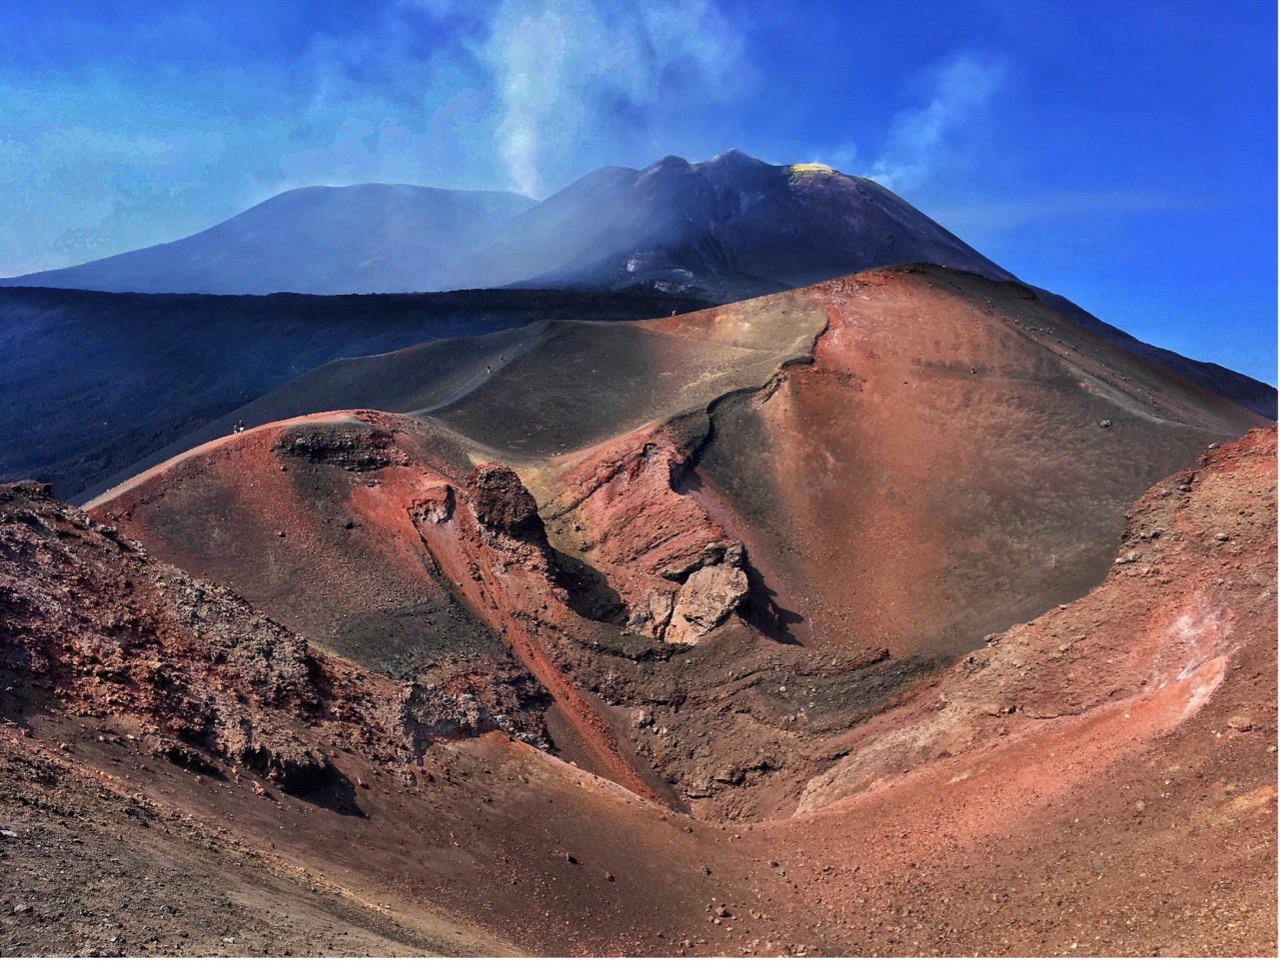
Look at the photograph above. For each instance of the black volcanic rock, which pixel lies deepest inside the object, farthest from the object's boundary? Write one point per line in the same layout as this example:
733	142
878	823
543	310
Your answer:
730	228
502	503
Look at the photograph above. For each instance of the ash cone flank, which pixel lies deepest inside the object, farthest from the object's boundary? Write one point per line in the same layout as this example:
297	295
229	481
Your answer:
992	474
206	680
151	369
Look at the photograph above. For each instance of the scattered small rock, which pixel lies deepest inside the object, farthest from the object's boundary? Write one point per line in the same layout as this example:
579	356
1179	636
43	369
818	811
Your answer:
1105	423
1241	723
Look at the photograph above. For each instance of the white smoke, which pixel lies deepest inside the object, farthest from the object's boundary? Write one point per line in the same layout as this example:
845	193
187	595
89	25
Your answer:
919	141
570	72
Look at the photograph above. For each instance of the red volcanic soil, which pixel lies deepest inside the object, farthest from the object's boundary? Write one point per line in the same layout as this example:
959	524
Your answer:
1099	781
958	457
357	519
342	527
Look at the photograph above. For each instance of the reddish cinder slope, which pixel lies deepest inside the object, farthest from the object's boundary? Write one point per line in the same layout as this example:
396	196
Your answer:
1101	780
725	593
310	517
374	526
173	718
957	458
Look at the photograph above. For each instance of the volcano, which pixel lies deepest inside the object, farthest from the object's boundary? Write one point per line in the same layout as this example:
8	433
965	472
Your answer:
729	228
730	588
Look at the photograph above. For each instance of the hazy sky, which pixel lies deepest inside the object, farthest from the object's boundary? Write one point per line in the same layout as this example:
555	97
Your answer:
1122	153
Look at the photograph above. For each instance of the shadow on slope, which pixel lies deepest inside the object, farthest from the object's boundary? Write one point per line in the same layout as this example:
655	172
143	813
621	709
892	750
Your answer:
90	383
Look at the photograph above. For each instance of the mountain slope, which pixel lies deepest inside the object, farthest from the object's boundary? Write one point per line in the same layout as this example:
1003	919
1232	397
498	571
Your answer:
958	430
370	238
91	382
729	228
1244	390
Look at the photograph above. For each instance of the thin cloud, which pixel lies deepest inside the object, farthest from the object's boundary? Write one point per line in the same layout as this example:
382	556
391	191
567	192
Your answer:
66	186
920	139
996	216
519	93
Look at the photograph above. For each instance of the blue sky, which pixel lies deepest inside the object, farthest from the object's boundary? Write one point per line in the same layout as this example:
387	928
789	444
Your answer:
1121	153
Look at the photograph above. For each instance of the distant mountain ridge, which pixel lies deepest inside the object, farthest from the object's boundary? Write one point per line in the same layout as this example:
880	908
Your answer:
364	239
729	228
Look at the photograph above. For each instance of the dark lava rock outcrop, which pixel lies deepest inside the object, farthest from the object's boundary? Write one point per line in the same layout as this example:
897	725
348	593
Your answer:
502	503
99	627
357	447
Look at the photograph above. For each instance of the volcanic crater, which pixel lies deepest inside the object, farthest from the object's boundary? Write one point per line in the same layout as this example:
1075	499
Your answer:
824	622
